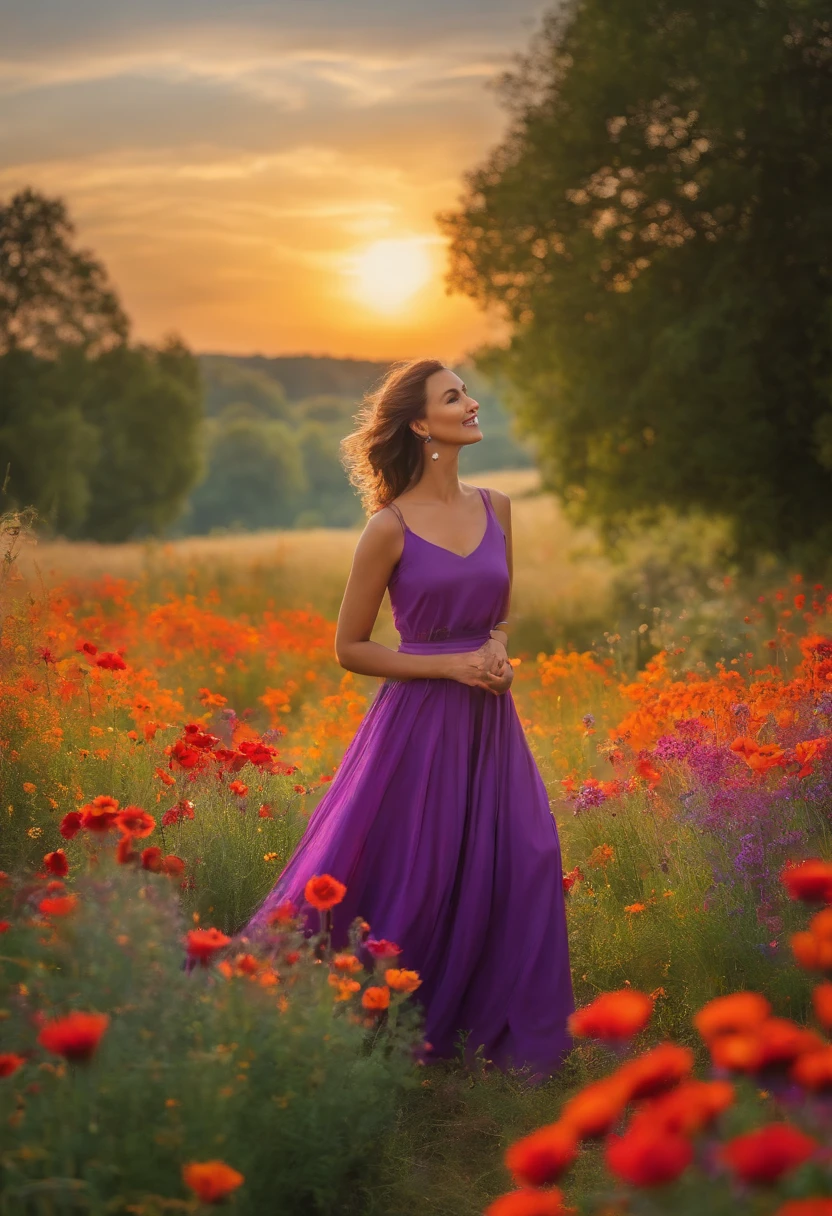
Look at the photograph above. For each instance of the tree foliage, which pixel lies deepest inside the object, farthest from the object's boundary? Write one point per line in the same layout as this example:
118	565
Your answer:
656	227
99	436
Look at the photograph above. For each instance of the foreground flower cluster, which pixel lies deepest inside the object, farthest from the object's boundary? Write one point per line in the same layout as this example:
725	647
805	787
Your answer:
93	987
658	1125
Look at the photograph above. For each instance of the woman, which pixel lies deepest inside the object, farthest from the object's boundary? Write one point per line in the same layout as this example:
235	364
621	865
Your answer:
437	819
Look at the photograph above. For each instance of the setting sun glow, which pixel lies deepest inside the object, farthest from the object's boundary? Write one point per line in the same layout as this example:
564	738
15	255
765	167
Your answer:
387	274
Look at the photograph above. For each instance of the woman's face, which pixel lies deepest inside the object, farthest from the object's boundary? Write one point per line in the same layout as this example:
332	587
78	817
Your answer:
450	414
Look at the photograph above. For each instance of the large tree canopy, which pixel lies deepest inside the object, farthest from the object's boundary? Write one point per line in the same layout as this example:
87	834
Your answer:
99	436
657	226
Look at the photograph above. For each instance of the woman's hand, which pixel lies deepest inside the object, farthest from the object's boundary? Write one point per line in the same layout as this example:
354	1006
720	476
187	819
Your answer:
487	667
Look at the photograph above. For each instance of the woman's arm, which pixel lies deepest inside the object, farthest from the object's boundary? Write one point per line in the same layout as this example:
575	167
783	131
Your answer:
379	548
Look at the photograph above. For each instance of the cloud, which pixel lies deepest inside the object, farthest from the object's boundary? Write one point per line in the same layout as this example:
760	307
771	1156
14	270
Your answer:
222	158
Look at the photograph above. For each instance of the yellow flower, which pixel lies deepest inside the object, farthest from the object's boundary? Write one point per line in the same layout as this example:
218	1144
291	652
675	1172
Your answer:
34	833
270	856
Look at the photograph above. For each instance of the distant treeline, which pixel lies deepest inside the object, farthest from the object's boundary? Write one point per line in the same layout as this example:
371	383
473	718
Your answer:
112	440
270	441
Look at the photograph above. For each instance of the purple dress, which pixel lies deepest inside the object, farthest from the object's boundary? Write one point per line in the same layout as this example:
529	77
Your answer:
438	823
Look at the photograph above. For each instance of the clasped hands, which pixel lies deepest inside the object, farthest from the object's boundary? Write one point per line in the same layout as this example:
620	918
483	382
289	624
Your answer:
487	667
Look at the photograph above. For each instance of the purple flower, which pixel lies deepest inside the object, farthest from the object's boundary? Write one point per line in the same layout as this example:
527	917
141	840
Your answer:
588	796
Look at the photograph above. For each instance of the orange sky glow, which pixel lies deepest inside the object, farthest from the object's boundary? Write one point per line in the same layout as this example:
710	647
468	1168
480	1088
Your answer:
264	177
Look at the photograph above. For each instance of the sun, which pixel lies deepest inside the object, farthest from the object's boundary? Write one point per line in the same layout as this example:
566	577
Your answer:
387	274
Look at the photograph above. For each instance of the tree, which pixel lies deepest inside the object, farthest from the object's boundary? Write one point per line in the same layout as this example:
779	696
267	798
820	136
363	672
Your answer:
99	436
655	226
146	408
51	295
254	474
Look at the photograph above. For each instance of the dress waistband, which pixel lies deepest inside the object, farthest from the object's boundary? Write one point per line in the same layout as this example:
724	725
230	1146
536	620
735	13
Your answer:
457	643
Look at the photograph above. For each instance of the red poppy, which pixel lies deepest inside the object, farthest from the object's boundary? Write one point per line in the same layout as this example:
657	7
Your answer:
658	1069
152	858
738	1012
596	1108
528	1202
9	1063
283	914
125	853
687	1108
75	1036
56	863
645	1157
203	944
809	880
612	1015
5	925
61	905
211	1181
172	865
813	1070
822	1003
380	948
764	1155
805	1207
323	892
543	1156
111	661
70	825
135	821
100	814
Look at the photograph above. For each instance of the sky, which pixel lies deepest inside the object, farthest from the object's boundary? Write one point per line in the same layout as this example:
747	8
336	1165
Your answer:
264	177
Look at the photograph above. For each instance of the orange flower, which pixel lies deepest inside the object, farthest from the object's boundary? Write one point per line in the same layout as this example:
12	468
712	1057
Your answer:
376	998
344	987
737	1012
813	1069
238	787
76	1036
528	1202
631	908
597	1107
99	815
658	1069
822	1004
764	1155
60	905
135	821
211	1181
809	880
324	892
647	1157
203	944
402	981
347	962
56	863
540	1158
612	1015
9	1063
811	952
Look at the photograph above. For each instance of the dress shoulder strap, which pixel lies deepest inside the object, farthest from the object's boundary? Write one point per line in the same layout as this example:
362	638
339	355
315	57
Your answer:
398	513
486	497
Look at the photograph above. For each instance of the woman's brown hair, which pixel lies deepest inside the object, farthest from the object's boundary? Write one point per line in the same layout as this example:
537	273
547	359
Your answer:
383	455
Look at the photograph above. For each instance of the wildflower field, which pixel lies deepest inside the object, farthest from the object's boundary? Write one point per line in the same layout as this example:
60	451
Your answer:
162	744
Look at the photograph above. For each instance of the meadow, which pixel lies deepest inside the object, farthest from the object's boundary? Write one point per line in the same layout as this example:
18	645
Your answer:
170	716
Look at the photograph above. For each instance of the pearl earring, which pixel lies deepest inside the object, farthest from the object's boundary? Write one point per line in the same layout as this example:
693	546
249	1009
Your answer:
435	455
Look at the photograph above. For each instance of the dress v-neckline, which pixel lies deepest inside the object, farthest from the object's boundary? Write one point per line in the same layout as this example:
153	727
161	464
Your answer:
462	556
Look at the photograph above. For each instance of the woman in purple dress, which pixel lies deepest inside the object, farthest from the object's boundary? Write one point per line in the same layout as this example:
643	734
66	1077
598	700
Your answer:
437	819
